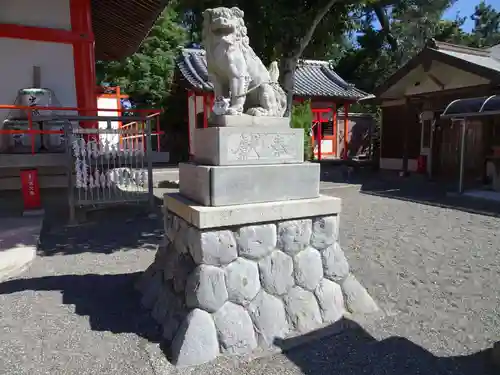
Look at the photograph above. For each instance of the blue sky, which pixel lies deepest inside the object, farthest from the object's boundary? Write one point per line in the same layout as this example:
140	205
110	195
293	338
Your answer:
466	8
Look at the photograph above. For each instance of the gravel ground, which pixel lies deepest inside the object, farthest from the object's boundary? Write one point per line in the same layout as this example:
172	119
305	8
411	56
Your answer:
75	311
434	272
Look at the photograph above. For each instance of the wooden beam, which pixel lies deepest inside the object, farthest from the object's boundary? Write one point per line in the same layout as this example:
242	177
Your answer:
42	34
436	81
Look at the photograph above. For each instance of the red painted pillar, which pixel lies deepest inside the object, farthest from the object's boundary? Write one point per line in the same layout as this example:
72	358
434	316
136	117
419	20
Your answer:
335	138
195	97
190	94
84	58
320	131
346	129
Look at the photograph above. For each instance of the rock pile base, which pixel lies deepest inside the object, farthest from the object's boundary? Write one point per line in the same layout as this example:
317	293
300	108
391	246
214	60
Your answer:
231	290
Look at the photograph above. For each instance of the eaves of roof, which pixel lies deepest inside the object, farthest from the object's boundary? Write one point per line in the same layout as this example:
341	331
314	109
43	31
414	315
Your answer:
120	26
481	62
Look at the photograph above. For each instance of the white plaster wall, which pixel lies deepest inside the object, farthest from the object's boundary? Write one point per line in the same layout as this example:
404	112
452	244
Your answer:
17	58
41	13
109	103
326	147
449	76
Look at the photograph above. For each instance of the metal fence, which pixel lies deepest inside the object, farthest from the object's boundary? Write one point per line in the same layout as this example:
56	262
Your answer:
109	166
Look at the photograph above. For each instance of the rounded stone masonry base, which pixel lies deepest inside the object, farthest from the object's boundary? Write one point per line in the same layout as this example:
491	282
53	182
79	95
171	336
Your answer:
224	291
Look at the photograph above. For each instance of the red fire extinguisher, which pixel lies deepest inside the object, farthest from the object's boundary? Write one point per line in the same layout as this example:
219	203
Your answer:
30	189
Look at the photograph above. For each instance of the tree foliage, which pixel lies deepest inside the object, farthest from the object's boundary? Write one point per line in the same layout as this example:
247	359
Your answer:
486	30
366	40
302	118
371	59
147	75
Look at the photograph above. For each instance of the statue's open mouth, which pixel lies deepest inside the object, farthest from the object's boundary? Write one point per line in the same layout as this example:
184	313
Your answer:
223	31
221	26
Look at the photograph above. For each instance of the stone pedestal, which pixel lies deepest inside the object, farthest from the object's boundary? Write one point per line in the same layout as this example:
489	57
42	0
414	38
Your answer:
234	278
248	145
252	257
241	184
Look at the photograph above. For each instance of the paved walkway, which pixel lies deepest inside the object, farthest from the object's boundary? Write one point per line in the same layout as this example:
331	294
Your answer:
435	272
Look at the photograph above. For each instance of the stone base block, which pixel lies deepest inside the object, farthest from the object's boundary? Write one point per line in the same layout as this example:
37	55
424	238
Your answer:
247	120
230	185
238	287
248	145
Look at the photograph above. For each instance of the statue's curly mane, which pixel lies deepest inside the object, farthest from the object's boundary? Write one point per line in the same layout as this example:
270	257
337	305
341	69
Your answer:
235	14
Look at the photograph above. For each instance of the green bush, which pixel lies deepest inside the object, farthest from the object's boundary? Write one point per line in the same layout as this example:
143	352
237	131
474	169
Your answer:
302	118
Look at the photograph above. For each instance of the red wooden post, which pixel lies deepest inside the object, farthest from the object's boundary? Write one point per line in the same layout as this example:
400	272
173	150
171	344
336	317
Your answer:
320	138
334	119
158	133
190	94
346	129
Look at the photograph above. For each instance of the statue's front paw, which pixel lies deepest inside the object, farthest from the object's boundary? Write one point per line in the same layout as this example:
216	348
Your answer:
257	111
233	112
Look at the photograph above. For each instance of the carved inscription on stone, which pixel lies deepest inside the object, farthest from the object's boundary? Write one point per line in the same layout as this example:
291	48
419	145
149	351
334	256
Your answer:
261	146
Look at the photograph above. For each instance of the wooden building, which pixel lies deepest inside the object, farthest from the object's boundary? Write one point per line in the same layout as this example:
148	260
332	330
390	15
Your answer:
330	96
414	135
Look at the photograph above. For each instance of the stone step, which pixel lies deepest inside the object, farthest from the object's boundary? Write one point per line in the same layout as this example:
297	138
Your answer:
230	185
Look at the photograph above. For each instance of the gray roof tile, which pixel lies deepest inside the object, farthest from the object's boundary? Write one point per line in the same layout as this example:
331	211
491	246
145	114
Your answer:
312	77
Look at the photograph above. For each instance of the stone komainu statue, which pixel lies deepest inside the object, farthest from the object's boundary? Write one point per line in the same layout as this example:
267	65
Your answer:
235	70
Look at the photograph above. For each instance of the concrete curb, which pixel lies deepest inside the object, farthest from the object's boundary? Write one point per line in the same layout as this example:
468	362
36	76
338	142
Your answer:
19	239
15	261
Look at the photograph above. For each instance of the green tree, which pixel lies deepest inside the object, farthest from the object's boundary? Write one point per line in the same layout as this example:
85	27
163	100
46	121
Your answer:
147	75
302	118
391	34
289	30
486	32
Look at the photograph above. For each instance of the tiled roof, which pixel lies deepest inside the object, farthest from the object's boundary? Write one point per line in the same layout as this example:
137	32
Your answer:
485	57
312	78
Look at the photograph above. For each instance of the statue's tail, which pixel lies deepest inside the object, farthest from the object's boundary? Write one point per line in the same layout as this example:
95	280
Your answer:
274	72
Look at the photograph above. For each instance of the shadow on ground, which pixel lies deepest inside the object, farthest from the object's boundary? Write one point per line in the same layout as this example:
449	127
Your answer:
355	352
109	301
105	231
111	304
413	188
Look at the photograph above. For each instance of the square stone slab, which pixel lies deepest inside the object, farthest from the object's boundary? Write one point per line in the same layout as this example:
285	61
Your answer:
247	120
228	185
248	145
204	217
